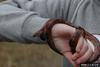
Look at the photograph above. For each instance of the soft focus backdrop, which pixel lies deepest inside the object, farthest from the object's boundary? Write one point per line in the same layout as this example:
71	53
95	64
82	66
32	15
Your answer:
28	55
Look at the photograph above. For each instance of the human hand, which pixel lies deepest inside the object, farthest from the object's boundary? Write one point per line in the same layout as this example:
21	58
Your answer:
62	34
64	38
85	51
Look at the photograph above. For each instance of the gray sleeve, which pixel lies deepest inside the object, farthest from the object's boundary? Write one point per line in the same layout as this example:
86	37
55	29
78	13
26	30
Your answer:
18	24
20	19
45	8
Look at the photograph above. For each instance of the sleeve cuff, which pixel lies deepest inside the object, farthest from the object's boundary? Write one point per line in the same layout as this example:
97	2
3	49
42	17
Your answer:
97	36
31	26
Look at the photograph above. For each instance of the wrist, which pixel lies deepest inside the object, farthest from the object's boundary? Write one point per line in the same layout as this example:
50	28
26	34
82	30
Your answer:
46	29
63	30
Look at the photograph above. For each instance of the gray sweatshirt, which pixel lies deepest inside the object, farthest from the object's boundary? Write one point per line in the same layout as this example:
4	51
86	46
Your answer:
20	19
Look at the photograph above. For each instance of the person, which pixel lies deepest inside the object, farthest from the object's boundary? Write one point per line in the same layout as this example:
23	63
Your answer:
21	19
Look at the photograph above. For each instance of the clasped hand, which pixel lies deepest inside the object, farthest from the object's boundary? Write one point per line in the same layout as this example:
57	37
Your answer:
61	34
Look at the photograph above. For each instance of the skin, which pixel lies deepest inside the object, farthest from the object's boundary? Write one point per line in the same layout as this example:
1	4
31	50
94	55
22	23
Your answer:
61	34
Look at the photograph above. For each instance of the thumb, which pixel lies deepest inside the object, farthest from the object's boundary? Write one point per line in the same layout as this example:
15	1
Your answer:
68	55
80	44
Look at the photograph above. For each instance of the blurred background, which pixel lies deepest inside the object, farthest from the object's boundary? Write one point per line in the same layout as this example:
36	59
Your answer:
28	55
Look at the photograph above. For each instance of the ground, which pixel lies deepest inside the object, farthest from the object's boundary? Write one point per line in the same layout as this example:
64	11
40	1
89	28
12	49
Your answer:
28	55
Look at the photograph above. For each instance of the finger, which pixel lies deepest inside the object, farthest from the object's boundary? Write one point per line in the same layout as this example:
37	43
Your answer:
80	44
75	56
85	57
68	55
82	51
95	51
79	47
63	46
95	55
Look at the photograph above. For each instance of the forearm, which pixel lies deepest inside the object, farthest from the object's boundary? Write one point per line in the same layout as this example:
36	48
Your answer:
19	25
22	18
